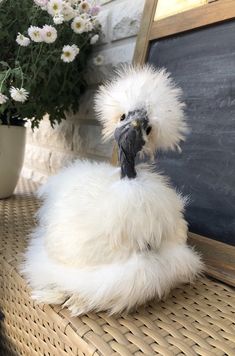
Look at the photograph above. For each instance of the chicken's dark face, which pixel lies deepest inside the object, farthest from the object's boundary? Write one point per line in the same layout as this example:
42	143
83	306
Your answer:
131	135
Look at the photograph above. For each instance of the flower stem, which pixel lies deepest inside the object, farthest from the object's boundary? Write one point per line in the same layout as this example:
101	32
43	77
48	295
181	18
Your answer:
6	76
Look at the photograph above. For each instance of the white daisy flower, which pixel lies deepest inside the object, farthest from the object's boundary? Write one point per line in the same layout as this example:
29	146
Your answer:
84	16
78	25
3	99
34	33
88	26
98	60
84	6
58	19
54	7
49	34
20	95
94	39
68	12
41	3
22	40
76	49
69	53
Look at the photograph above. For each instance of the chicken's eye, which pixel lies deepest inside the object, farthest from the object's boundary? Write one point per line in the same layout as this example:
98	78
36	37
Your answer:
123	117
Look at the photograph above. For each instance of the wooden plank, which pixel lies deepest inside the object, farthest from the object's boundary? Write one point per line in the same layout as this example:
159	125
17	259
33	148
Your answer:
172	7
142	41
218	257
202	16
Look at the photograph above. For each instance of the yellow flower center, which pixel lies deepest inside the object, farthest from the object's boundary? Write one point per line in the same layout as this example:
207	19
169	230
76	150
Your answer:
78	25
67	54
49	34
55	7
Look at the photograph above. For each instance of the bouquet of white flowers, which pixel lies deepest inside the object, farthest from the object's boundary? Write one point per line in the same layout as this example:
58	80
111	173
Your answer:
44	50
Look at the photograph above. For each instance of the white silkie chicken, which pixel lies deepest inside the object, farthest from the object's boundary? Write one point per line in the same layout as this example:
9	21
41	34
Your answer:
112	238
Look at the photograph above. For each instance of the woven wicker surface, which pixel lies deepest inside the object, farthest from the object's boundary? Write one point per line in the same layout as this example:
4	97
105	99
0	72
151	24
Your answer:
195	320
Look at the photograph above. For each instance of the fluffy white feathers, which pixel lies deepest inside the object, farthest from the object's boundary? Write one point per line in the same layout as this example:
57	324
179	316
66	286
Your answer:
108	244
144	88
105	243
90	216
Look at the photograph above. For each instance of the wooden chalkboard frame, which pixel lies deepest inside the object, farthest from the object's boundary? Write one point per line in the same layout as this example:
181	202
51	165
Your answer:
219	257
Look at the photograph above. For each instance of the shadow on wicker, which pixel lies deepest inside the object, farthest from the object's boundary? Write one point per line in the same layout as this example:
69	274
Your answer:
195	320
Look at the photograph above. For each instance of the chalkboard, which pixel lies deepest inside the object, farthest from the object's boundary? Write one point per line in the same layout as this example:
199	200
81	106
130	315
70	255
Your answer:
202	63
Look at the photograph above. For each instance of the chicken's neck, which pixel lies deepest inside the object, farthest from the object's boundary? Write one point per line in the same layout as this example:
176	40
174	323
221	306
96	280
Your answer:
127	165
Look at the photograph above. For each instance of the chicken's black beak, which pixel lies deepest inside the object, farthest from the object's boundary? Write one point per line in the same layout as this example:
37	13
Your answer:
131	137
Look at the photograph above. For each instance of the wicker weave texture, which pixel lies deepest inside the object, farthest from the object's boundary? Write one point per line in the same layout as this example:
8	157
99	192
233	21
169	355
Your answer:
195	320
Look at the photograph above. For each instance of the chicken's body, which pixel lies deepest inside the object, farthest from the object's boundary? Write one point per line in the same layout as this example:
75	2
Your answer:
105	243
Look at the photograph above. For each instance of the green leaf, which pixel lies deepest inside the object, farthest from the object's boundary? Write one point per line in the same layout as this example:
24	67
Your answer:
4	64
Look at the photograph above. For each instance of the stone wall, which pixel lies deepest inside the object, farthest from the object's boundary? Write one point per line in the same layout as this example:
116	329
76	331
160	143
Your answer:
79	136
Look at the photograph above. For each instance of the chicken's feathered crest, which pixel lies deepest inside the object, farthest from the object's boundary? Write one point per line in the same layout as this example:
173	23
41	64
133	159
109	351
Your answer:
144	88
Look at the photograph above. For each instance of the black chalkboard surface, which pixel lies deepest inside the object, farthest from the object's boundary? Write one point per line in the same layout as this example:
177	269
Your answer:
202	63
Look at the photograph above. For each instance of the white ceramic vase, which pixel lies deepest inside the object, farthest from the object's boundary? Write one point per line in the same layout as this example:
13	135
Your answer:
12	148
